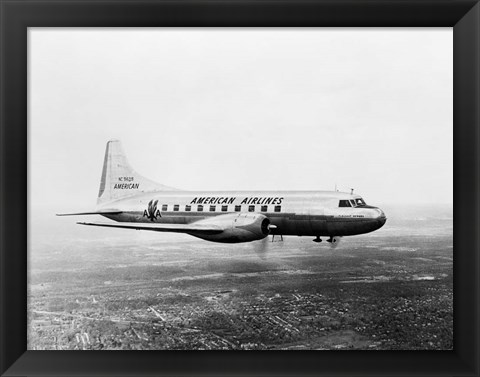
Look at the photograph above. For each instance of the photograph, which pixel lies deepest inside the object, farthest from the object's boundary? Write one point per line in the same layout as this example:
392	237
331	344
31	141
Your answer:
240	188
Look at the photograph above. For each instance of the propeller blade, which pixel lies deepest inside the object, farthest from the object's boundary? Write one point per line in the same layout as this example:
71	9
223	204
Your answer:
261	247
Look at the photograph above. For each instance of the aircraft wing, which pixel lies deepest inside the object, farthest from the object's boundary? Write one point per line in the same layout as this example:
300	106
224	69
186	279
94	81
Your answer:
178	228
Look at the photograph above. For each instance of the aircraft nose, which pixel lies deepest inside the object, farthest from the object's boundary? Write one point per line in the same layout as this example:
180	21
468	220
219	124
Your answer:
381	218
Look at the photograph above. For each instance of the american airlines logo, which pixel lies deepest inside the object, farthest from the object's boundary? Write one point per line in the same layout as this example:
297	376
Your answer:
152	212
231	200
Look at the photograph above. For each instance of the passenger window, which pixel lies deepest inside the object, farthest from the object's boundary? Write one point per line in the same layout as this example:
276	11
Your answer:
224	208
344	203
278	208
199	208
264	208
176	207
188	208
165	207
212	208
251	208
238	208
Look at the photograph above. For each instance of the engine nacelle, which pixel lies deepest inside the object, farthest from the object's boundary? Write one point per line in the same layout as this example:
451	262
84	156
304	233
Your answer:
237	227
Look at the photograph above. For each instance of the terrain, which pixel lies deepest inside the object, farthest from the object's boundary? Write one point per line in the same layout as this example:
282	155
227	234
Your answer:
124	289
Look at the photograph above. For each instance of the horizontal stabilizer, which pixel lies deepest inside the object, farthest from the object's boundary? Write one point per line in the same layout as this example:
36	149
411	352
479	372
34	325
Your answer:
178	228
106	212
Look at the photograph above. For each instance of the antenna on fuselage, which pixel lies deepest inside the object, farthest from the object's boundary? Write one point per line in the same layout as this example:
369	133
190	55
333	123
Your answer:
336	187
351	192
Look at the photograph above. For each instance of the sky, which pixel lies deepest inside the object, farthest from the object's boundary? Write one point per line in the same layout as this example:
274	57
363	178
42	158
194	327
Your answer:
243	109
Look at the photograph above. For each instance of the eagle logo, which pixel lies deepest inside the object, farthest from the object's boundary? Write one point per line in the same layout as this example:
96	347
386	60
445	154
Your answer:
152	212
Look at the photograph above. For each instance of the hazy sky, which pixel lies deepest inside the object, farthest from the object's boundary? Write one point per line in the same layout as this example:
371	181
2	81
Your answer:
243	109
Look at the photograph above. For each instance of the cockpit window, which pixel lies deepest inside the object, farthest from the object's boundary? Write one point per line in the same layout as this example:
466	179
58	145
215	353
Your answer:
360	202
344	203
352	202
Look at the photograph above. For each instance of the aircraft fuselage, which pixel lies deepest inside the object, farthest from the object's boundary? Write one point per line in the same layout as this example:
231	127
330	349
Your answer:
300	213
136	202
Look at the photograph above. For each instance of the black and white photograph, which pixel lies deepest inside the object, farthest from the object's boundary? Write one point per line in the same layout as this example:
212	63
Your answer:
240	189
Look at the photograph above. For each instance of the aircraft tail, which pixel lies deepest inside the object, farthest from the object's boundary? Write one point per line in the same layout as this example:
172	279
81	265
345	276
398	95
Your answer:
119	180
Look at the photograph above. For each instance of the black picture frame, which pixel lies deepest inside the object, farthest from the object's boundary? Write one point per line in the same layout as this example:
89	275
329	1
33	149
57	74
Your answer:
18	15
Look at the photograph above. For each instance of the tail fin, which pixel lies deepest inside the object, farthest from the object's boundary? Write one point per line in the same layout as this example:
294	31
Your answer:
119	180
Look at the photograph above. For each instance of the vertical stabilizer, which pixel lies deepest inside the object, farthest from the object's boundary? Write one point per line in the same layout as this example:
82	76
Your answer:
119	180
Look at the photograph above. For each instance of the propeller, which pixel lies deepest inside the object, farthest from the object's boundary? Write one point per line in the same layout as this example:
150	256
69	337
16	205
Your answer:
261	247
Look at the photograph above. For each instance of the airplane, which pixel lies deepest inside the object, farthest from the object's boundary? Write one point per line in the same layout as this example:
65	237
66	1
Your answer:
135	202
